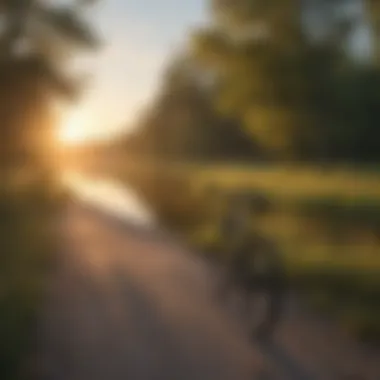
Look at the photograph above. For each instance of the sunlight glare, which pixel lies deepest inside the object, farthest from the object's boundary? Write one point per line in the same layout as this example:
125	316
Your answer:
72	129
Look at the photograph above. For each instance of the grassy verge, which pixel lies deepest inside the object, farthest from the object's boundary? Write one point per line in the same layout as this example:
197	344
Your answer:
26	232
346	288
327	222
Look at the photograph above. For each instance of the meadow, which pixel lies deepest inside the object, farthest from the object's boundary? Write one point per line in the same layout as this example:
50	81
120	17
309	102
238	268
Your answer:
325	219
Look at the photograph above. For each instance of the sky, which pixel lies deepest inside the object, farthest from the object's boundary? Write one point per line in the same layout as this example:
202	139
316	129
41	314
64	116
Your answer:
139	37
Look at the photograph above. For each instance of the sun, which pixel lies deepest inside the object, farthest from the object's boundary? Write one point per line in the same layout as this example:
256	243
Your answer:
71	130
71	136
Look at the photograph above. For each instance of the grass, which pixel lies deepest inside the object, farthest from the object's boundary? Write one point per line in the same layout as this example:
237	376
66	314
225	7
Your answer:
286	181
27	217
326	220
345	288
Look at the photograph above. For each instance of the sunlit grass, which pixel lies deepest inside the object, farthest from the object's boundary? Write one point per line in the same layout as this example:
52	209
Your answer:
326	222
288	182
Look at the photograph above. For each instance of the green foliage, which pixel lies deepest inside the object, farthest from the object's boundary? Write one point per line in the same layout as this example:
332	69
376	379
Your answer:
183	124
337	275
37	31
273	80
259	77
283	71
170	196
346	288
63	21
28	245
364	211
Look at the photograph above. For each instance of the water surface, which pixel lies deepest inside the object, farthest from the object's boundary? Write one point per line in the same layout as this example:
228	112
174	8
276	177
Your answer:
110	195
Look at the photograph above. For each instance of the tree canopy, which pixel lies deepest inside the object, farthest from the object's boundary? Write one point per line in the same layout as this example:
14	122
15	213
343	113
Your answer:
37	40
278	79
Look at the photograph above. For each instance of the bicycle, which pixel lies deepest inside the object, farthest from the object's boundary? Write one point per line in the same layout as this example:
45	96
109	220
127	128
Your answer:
253	265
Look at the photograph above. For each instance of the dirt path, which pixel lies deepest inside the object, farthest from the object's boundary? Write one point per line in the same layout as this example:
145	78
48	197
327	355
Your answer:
128	304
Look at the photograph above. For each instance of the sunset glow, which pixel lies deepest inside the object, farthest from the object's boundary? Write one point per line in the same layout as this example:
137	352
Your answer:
72	129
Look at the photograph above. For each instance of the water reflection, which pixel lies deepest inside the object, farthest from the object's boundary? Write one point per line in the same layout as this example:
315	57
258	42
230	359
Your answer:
111	196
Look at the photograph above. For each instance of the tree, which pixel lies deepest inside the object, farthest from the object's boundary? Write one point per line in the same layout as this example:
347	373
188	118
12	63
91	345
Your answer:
34	40
182	122
32	28
273	71
246	48
372	8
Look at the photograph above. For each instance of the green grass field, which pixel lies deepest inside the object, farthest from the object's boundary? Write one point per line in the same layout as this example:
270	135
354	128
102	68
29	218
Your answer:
326	221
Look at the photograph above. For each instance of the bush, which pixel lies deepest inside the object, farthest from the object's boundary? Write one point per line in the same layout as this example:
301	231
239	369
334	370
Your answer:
172	198
27	218
361	211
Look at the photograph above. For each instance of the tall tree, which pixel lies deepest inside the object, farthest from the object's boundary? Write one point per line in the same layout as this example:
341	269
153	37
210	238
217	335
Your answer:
271	69
32	71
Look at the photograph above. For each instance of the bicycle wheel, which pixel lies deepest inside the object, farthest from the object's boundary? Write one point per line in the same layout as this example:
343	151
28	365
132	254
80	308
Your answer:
264	290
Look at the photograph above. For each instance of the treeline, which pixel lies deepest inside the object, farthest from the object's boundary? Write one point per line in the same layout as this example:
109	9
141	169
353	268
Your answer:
271	80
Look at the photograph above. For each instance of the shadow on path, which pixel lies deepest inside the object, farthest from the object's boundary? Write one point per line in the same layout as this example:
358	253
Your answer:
278	356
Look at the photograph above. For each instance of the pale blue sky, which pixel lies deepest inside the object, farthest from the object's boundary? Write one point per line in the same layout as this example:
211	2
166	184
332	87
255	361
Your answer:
140	36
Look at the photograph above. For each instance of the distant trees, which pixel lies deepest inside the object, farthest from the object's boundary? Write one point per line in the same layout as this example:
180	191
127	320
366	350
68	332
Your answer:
182	122
283	70
275	79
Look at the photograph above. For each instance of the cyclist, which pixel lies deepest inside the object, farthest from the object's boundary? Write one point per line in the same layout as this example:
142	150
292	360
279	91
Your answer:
252	260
